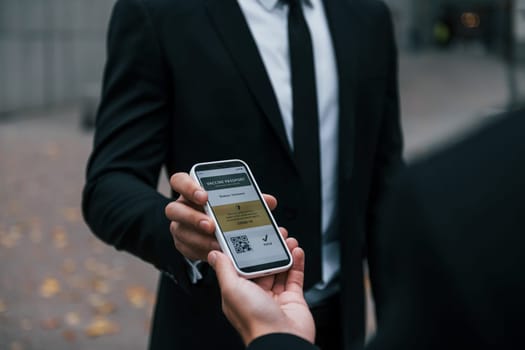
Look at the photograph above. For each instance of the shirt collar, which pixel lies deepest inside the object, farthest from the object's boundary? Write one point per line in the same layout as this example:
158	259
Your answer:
269	5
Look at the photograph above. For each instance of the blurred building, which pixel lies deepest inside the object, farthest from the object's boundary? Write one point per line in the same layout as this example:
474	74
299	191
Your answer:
496	25
51	51
518	23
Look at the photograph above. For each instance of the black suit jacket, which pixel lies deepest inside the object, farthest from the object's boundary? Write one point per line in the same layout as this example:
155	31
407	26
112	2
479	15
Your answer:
451	254
184	83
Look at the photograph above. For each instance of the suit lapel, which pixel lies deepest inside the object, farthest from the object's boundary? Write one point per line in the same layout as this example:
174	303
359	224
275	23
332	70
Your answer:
233	29
344	32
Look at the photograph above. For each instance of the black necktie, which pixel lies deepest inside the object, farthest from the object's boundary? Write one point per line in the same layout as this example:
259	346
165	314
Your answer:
305	124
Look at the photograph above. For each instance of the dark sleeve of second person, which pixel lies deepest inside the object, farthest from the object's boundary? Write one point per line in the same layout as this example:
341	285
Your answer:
280	341
418	293
120	202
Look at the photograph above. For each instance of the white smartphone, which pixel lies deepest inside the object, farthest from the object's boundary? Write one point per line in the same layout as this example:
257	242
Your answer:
245	227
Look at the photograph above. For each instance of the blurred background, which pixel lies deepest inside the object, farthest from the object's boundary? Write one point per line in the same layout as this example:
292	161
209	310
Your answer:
460	62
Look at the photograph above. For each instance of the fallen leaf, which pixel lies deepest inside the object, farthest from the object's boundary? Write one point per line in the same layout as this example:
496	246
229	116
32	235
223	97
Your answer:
49	288
72	319
60	237
11	238
50	324
3	307
137	296
152	298
100	305
105	308
35	221
7	242
16	346
72	214
69	335
101	326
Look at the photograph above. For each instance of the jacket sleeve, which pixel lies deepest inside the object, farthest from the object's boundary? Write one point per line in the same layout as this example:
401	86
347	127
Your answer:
388	155
280	341
120	201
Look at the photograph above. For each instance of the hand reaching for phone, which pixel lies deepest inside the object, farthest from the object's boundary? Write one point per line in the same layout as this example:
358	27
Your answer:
270	304
192	230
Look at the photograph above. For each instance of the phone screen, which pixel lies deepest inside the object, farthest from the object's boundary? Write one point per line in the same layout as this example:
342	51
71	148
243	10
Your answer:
248	230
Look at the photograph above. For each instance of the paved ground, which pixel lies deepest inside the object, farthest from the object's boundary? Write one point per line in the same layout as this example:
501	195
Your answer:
446	94
60	288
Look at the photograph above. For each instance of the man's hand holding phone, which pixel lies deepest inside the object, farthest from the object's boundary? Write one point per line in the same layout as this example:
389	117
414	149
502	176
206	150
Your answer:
192	230
244	226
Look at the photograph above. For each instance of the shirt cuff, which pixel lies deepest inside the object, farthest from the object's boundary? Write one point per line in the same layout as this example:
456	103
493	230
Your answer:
193	270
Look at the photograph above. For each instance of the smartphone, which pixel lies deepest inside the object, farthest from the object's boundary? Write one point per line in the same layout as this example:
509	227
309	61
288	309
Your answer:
245	227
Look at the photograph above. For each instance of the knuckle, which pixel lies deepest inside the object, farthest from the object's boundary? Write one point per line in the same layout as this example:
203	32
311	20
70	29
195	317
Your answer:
175	178
179	212
195	217
169	210
178	181
179	235
212	244
182	248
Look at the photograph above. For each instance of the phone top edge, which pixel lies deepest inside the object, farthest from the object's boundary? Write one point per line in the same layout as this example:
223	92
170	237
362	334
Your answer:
219	164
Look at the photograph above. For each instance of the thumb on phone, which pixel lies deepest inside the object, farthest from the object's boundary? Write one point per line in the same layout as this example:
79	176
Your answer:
224	270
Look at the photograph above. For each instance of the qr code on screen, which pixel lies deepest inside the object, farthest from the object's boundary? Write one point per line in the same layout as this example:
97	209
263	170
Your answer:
241	244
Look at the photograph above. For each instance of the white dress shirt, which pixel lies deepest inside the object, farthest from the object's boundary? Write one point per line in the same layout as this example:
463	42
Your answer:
268	23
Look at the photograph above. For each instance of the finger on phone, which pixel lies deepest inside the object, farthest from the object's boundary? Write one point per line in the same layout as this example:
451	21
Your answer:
226	274
191	244
284	232
295	280
187	187
292	243
270	200
188	216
